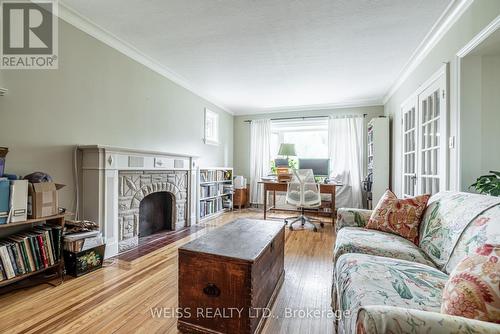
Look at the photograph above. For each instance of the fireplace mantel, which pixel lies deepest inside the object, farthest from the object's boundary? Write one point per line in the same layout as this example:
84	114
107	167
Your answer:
101	199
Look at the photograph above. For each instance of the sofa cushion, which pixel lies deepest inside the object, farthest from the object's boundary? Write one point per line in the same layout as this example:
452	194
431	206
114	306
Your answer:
361	279
363	241
472	290
399	216
447	216
484	229
351	217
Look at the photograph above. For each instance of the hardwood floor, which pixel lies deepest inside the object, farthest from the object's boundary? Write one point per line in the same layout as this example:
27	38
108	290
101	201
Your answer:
119	298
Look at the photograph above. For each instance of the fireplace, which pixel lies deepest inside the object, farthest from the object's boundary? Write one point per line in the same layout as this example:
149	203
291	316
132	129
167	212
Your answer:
134	187
156	213
133	193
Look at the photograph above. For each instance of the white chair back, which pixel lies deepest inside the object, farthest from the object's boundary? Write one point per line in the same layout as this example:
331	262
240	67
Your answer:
303	191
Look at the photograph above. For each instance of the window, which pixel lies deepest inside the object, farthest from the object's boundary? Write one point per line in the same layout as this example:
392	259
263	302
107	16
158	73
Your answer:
211	127
309	136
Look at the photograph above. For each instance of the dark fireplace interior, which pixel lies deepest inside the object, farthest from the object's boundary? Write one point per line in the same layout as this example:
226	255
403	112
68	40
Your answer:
155	213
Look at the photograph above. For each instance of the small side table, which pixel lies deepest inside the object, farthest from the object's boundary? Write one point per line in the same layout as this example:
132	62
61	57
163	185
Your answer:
241	197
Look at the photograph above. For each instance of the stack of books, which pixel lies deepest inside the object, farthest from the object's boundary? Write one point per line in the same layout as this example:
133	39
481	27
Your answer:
227	189
210	206
215	175
208	191
30	251
79	242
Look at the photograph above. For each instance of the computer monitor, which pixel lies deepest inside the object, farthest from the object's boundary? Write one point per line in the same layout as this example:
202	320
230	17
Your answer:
320	167
281	162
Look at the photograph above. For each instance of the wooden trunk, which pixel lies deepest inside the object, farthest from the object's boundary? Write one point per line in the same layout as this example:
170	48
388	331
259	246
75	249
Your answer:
229	277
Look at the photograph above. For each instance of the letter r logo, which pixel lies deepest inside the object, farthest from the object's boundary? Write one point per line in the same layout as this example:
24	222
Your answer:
27	28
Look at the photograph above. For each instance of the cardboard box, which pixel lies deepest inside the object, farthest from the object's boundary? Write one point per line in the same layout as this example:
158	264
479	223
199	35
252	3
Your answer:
43	200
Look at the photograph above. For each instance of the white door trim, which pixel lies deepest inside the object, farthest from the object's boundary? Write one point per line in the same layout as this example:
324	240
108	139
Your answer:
492	27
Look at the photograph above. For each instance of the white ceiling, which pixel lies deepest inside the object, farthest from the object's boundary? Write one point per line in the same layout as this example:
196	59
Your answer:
254	56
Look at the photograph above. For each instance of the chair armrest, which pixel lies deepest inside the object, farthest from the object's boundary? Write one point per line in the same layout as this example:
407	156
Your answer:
378	319
352	217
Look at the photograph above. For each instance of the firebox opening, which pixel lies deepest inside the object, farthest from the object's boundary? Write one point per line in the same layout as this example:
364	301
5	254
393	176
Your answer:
156	213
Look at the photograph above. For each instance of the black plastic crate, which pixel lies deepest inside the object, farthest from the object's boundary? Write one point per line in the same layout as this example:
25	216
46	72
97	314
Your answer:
81	263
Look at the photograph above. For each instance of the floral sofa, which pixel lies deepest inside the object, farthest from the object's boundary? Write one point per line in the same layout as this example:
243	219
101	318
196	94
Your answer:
383	283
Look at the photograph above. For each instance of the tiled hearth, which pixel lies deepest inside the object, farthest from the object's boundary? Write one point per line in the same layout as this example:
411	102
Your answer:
154	242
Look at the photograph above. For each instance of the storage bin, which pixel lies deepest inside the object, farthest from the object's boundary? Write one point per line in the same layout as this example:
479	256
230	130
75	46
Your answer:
81	263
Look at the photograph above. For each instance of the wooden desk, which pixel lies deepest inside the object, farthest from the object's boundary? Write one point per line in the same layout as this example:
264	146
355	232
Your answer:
282	186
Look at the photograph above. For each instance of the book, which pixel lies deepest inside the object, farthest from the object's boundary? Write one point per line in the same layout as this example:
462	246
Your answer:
47	231
7	265
12	258
46	245
19	258
23	251
29	253
43	253
36	253
57	240
2	271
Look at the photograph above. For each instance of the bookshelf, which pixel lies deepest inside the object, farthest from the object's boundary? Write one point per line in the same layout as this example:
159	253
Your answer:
25	227
215	192
378	157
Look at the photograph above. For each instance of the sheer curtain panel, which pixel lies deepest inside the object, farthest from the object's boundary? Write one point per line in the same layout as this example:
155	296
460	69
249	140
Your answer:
260	156
345	137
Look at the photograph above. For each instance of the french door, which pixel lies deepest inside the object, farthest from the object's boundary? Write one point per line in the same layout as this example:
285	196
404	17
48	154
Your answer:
409	131
424	139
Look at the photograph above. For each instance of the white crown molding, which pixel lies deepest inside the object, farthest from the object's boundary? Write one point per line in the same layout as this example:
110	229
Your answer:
314	107
3	91
77	20
451	14
480	37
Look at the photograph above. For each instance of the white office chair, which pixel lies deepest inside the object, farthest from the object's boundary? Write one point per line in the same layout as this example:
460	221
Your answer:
304	193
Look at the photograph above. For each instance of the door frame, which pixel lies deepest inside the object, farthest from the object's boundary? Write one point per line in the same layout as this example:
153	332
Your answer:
442	70
491	28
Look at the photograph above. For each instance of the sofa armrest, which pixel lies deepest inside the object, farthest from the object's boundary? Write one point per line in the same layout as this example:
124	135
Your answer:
352	217
379	319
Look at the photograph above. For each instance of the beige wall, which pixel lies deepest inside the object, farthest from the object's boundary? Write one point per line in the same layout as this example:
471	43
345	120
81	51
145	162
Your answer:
242	130
480	124
99	96
471	104
477	16
490	114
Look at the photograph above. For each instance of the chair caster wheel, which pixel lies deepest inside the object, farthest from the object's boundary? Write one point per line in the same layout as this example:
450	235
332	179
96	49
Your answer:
315	229
291	228
322	224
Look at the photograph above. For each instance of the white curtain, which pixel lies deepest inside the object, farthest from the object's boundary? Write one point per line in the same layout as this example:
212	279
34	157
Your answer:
260	156
345	146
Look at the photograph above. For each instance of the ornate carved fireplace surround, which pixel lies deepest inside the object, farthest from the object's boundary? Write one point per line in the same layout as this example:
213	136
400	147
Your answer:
115	181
